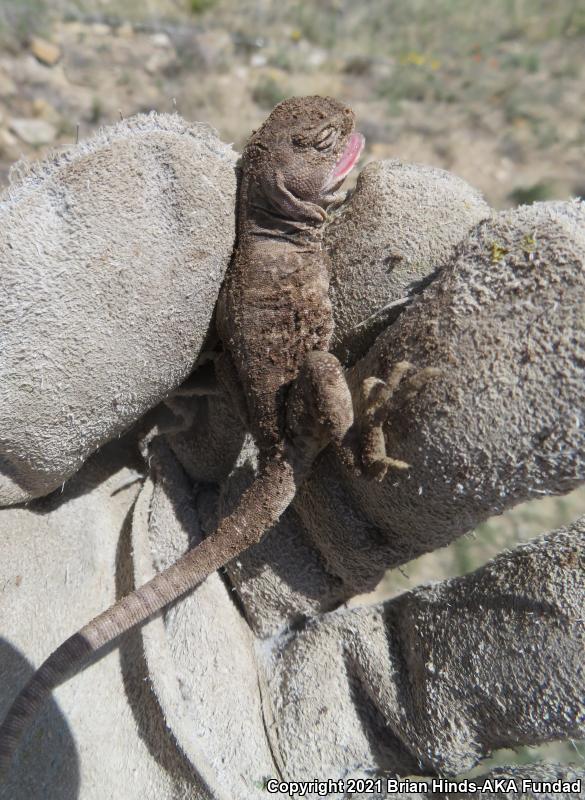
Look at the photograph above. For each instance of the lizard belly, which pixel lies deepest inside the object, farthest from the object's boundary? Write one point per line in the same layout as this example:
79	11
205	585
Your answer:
269	324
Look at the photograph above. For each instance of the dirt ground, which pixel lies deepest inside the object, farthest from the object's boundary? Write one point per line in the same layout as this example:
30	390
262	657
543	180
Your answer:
493	91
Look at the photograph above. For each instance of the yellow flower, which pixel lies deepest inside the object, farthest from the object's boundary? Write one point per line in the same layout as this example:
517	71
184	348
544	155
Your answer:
418	59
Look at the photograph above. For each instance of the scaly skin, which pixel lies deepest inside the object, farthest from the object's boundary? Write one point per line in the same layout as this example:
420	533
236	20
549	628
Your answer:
274	307
275	322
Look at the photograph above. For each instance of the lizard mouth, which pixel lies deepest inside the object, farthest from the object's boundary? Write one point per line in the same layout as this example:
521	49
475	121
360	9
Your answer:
346	162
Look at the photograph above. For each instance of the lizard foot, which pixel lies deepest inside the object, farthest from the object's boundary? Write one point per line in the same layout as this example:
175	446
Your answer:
319	406
378	400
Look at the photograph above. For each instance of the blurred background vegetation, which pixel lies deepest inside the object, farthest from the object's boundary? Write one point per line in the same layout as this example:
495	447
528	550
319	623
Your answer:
490	89
493	90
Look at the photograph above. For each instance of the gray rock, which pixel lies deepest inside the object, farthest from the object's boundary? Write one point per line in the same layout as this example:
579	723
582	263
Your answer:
46	52
33	131
7	86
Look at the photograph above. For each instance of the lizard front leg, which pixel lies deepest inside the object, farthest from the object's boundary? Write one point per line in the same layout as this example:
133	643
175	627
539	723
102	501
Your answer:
319	407
321	412
301	212
378	400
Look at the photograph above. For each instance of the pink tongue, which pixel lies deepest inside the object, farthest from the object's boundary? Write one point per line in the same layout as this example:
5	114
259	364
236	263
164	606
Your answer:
348	159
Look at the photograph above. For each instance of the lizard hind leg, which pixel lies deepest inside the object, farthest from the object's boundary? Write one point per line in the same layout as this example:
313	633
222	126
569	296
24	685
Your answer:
229	382
319	407
379	399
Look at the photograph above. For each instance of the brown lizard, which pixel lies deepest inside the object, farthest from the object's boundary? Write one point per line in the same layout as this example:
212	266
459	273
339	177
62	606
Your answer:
274	319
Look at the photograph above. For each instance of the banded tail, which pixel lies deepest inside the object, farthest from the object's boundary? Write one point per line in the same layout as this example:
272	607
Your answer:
258	510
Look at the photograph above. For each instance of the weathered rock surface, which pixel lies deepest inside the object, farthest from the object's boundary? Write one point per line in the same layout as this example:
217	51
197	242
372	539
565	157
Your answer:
33	131
46	52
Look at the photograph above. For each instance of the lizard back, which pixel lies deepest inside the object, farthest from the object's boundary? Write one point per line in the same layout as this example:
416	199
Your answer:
274	306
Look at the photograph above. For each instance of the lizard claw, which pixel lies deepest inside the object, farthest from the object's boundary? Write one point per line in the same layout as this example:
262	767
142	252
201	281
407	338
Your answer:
378	400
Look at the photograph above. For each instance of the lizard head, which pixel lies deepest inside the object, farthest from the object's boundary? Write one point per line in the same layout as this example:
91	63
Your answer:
301	155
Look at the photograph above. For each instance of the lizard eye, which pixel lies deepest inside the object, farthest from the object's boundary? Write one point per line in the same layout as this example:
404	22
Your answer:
325	138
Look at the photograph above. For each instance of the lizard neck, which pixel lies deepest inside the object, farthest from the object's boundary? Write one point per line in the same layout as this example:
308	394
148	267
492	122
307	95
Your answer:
259	220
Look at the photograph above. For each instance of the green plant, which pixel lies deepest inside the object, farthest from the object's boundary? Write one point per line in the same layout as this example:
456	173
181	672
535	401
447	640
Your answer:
199	6
319	23
526	195
20	20
416	78
359	65
281	59
96	111
268	92
529	62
